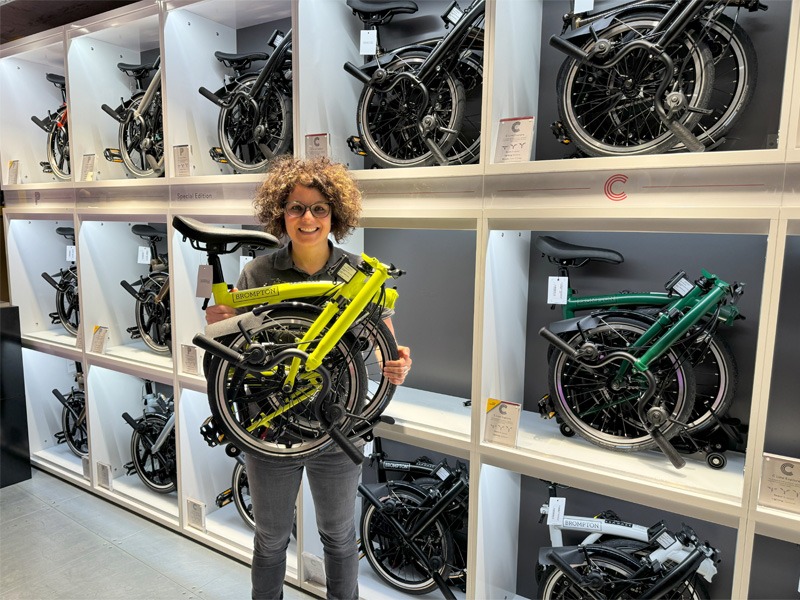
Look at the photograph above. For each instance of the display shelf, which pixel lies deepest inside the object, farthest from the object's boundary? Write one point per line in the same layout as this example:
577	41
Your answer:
95	47
26	92
193	32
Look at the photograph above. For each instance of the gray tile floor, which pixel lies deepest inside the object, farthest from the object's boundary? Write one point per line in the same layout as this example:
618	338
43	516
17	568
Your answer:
60	542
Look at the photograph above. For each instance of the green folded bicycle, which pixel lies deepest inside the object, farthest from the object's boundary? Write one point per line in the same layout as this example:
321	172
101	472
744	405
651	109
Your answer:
305	367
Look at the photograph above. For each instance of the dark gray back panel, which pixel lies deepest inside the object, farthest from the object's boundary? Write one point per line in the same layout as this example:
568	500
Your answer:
775	571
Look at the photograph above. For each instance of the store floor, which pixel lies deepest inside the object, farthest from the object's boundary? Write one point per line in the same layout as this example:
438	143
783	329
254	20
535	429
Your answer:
60	542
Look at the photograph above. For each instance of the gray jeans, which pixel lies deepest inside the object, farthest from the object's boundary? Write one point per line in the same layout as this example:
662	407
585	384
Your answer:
333	480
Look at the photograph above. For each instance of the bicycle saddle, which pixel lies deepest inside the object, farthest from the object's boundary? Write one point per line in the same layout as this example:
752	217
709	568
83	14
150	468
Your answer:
67	232
566	253
137	71
149	231
239	61
377	12
58	80
208	234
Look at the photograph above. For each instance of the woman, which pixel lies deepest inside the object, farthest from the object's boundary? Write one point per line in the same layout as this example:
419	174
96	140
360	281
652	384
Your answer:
305	201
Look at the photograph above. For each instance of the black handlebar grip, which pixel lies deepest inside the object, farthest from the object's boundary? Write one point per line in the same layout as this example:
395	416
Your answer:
217	349
60	397
113	114
130	289
667	448
345	444
44	126
49	279
211	96
568	48
357	73
558	342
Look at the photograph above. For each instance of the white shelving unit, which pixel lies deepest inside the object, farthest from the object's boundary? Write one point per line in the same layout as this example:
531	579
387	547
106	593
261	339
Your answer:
495	211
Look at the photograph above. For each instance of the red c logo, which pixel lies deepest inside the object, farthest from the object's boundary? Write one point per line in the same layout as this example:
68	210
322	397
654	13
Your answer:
608	188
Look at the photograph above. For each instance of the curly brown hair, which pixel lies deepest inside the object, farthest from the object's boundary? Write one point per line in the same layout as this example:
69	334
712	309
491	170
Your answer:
332	180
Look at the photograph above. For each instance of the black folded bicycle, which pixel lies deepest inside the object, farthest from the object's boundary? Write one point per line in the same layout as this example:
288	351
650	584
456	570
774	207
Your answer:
73	416
56	126
65	283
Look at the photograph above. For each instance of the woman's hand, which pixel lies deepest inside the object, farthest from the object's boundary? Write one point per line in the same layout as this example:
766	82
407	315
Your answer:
396	370
219	312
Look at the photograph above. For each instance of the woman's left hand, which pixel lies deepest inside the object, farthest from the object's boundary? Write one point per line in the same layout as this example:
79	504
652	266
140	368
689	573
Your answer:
396	370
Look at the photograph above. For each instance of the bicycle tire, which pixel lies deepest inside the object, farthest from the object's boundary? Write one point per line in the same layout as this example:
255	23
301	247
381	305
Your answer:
75	434
618	565
735	78
253	131
582	396
157	471
140	139
153	318
390	557
609	112
58	146
388	124
67	306
241	495
376	344
716	378
237	397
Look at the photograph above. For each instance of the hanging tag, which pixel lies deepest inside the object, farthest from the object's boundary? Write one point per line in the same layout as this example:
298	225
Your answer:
189	359
144	255
555	511
204	279
557	290
13	172
71	254
182	159
583	6
369	42
99	339
243	260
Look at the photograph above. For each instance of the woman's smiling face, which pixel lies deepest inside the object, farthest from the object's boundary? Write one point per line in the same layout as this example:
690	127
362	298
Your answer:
307	230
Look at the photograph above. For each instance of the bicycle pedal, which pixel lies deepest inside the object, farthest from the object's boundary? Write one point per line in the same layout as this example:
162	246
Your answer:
560	132
354	143
112	155
135	333
60	436
217	155
224	498
46	167
130	468
54	318
212	436
546	408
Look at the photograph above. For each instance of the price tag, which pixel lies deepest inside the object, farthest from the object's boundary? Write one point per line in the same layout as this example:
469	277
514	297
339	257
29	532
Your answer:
87	167
144	255
502	422
514	138
204	281
196	514
369	42
189	359
13	172
555	511
557	290
71	254
780	483
317	145
182	159
99	339
243	260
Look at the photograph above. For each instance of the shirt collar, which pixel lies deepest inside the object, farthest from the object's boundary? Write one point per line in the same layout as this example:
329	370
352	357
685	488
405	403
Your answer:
283	258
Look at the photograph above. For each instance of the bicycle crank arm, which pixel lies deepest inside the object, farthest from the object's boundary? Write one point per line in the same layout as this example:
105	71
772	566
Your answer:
206	93
131	290
574	576
49	279
667	448
113	114
156	165
136	425
569	48
558	342
65	402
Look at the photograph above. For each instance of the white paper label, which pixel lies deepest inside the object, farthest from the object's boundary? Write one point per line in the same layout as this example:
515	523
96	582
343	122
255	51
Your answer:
557	290
583	6
99	339
13	172
555	511
369	42
196	514
71	255
317	145
514	137
243	260
104	478
182	159
204	279
144	255
780	483
189	359
86	468
502	422
683	287
87	167
79	337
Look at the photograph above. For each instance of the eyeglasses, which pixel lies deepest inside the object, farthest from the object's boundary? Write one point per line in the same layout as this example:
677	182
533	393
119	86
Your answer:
319	210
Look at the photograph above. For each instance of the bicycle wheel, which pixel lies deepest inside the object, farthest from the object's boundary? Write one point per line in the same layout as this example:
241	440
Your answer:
716	378
67	300
254	130
735	76
376	345
241	495
143	137
388	122
254	411
156	470
73	424
609	112
58	145
603	410
153	318
390	556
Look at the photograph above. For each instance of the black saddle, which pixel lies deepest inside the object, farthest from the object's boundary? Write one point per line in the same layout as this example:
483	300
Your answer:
219	238
564	253
67	232
58	80
151	232
378	12
138	71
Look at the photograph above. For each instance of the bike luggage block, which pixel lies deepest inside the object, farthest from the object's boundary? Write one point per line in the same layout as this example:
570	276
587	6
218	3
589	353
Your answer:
112	155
